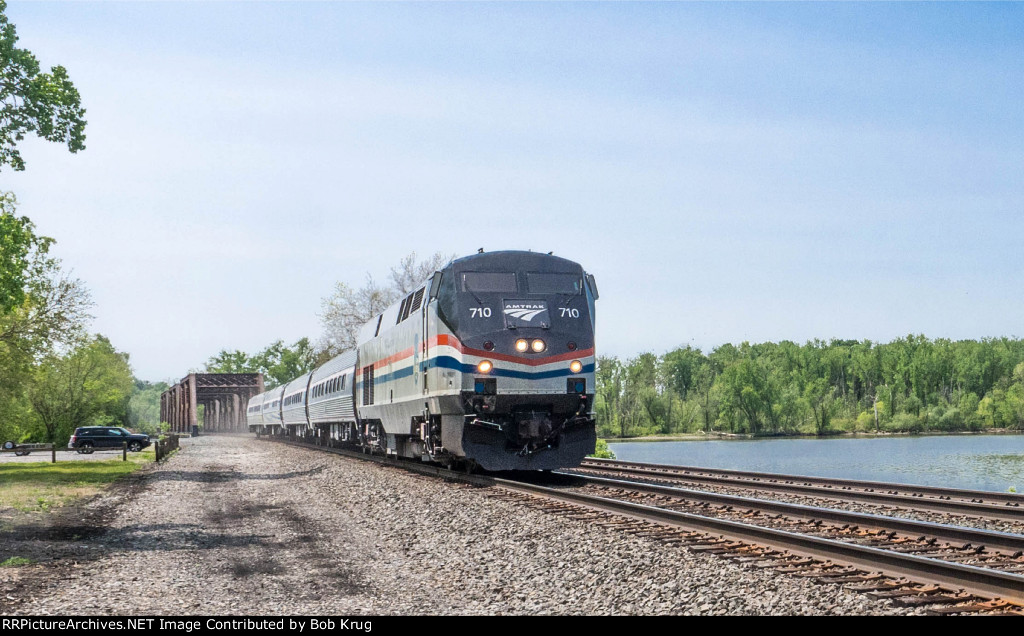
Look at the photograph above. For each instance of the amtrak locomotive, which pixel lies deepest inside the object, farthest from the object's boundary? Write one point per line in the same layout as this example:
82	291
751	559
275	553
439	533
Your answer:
489	363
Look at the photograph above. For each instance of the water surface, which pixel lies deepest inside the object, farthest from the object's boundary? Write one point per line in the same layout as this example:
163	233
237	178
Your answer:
979	462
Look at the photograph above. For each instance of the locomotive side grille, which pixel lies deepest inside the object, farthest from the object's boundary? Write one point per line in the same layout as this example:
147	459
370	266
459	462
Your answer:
368	385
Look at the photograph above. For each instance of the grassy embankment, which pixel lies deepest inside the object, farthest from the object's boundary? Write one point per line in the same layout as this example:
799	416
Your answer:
40	486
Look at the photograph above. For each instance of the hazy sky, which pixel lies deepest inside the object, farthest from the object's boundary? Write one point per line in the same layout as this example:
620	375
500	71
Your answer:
728	172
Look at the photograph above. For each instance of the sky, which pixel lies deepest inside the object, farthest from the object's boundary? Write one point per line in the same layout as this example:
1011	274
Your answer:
728	171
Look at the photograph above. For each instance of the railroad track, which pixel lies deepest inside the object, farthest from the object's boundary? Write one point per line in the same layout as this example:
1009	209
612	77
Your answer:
972	503
944	586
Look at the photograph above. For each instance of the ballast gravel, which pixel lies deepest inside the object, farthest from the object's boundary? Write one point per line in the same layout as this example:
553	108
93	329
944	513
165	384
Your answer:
234	525
996	525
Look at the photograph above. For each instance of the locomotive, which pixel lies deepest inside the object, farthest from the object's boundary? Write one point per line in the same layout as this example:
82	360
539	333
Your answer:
489	363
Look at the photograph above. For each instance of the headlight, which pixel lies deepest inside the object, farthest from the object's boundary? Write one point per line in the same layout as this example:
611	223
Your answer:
538	345
575	366
485	366
522	345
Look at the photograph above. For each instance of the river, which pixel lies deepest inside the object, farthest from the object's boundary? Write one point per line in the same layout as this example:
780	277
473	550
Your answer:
979	462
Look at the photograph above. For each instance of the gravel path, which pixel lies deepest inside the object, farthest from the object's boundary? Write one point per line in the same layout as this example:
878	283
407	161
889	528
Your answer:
232	525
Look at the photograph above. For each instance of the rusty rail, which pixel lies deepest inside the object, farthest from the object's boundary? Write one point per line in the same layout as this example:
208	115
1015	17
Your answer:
993	505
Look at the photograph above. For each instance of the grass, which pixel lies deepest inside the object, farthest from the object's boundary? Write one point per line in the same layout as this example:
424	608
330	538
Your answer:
39	486
14	562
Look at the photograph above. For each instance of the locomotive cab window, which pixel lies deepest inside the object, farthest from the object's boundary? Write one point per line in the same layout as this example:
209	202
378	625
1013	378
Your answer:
545	283
484	282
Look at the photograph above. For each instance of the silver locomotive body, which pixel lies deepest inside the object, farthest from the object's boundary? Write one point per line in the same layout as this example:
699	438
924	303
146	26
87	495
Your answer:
491	362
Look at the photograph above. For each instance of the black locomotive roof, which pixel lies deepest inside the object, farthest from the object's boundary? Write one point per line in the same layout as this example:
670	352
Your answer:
515	260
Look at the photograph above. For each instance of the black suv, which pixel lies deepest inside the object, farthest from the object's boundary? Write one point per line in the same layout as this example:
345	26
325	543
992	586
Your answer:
88	438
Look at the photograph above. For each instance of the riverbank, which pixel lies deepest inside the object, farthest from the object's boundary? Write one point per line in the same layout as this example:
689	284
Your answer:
973	462
703	437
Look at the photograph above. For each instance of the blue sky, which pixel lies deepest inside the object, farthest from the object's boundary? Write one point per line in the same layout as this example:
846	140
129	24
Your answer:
729	172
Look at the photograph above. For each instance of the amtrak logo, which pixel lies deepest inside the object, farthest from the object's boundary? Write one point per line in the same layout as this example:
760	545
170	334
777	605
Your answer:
521	313
525	313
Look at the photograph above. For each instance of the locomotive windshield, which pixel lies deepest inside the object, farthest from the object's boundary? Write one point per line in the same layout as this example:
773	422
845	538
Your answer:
477	295
545	283
489	282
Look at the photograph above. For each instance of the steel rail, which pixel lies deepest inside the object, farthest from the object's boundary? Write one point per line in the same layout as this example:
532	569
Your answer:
935	491
901	495
957	534
976	580
982	581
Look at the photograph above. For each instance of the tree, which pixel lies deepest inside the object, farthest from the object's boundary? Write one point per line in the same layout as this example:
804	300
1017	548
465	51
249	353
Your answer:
53	307
347	309
45	104
410	274
277	362
281	364
90	385
607	401
144	406
43	307
17	243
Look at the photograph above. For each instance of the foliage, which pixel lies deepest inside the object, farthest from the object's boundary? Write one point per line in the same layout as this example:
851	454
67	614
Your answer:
912	384
42	310
91	385
17	241
347	309
144	407
277	362
45	104
602	451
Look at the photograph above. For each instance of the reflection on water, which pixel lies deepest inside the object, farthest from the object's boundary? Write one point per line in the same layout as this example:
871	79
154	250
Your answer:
980	462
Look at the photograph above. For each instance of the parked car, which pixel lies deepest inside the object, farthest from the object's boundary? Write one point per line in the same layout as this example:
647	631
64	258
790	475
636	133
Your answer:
86	439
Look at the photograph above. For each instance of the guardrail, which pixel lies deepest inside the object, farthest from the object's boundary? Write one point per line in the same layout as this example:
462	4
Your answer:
26	449
165	446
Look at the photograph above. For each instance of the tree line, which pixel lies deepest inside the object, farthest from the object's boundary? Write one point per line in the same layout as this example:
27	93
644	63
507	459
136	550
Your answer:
911	384
54	375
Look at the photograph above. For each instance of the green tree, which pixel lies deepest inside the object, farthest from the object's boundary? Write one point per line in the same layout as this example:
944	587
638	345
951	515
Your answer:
607	402
18	242
144	406
90	385
45	104
277	362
